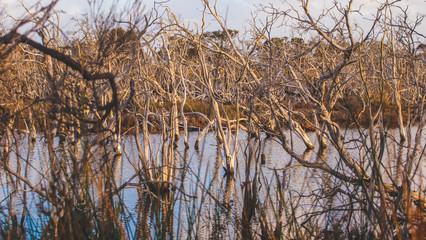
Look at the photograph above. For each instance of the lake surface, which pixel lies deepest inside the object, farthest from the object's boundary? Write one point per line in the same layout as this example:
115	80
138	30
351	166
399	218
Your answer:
203	203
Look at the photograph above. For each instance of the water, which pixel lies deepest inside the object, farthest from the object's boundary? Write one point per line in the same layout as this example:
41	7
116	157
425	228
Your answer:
204	203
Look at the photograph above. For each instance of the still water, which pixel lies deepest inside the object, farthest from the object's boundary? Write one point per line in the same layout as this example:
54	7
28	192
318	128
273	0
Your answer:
203	203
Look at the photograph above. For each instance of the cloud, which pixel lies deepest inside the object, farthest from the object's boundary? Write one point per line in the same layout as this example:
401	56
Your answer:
74	11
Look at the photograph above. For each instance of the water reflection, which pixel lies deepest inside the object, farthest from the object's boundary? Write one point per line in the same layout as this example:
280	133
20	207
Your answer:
261	201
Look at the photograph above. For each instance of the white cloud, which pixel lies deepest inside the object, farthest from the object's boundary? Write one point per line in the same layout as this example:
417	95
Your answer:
74	11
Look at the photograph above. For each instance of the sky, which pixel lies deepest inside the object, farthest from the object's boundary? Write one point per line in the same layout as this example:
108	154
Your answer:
238	13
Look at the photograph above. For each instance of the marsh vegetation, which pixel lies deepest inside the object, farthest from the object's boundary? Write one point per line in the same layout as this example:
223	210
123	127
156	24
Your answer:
135	125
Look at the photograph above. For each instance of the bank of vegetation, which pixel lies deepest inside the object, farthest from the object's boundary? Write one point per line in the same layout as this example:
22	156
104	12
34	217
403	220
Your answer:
136	73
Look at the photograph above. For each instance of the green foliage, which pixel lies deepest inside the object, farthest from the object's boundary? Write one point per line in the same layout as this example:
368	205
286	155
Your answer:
220	35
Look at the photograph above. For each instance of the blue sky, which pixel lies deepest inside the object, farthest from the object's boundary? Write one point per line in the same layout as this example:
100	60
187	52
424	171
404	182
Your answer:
237	12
